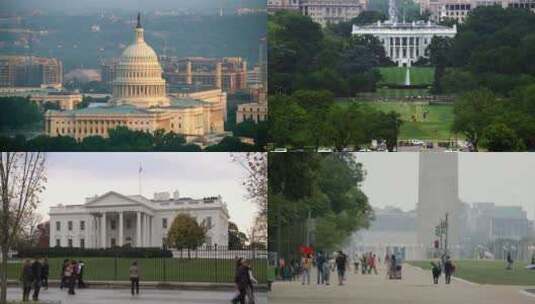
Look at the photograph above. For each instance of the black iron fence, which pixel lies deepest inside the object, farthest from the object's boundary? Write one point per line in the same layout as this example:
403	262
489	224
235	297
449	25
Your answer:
207	264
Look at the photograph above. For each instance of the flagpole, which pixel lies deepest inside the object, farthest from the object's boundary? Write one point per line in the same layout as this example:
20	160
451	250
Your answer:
140	170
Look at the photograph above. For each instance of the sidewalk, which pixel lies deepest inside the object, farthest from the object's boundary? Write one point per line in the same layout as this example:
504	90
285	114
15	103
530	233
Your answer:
415	288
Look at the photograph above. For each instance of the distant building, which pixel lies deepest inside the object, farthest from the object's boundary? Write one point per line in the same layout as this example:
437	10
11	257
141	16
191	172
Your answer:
30	71
458	10
254	111
489	222
65	100
228	74
114	219
405	42
322	11
393	231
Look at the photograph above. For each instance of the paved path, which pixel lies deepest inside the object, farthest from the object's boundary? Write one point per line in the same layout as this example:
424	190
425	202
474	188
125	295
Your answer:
120	296
415	288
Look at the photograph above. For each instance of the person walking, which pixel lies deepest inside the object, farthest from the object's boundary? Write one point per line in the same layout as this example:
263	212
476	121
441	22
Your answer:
238	261
449	268
327	270
243	281
509	261
134	275
320	261
69	276
373	263
80	274
252	281
37	271
436	271
306	263
341	262
63	281
356	263
45	273
26	279
364	263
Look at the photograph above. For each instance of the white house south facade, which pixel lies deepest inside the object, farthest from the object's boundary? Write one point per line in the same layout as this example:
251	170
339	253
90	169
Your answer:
114	219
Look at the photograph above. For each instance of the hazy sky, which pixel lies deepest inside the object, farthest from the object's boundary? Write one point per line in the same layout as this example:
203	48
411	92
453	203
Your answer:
502	178
74	176
127	5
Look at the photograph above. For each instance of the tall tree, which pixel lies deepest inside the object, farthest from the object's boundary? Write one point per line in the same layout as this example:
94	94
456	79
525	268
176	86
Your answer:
186	233
22	180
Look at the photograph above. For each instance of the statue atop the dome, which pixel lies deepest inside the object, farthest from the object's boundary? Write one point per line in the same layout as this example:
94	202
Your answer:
138	20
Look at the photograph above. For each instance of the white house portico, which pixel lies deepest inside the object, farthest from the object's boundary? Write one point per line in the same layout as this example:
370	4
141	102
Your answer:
114	219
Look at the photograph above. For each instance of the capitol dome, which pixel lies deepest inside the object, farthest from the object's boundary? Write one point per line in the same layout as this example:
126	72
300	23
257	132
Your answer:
138	80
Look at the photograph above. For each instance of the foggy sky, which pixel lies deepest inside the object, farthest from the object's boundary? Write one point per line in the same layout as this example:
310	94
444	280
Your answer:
126	5
505	179
74	176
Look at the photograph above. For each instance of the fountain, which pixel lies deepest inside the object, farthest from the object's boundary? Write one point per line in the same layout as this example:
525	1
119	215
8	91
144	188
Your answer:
407	77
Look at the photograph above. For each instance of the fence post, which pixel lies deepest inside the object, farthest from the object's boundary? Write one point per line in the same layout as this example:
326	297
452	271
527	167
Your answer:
164	273
216	264
115	268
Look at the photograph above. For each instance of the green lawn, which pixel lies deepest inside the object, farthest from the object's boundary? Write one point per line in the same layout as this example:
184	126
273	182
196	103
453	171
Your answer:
489	272
154	269
435	126
396	75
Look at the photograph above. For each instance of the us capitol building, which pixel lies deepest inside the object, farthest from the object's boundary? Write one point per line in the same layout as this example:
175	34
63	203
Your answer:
114	219
140	102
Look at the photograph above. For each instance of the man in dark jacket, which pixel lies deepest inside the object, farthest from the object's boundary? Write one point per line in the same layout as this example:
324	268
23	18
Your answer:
448	269
341	262
242	281
320	260
37	271
26	278
45	273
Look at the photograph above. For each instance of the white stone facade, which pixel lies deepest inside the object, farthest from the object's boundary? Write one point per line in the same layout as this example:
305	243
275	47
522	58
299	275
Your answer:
322	11
114	219
405	43
459	9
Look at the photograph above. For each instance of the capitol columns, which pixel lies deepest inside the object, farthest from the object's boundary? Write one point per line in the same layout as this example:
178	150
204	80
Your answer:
121	237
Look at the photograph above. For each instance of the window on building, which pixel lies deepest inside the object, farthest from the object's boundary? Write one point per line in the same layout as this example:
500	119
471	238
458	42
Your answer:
82	225
208	222
58	243
164	223
113	242
58	226
70	242
82	243
113	224
69	225
128	224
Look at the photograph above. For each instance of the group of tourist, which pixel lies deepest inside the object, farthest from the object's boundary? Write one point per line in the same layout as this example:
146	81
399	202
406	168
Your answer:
445	265
72	271
34	275
367	262
244	281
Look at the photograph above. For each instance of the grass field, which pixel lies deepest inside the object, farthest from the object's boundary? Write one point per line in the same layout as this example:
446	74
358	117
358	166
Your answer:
436	125
153	269
396	75
489	272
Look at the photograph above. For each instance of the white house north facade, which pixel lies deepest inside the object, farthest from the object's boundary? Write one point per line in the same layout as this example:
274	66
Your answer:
114	219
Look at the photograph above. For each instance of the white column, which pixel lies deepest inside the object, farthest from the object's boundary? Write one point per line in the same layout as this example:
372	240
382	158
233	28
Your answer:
103	230
121	236
146	231
138	229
